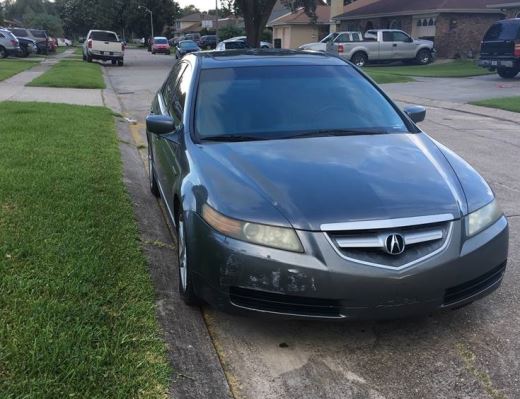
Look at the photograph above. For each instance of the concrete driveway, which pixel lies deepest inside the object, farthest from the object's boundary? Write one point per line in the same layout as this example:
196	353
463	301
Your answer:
470	353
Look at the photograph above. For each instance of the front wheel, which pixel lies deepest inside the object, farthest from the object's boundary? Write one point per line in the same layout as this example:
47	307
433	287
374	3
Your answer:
120	63
359	59
185	280
507	73
424	57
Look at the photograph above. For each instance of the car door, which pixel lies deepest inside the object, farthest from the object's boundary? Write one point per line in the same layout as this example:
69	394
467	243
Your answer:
404	46
387	46
168	147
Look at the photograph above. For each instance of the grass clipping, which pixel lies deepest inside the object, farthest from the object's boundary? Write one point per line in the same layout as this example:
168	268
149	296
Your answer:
76	300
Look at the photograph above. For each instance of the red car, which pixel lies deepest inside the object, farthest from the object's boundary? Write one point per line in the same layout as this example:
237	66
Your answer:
161	45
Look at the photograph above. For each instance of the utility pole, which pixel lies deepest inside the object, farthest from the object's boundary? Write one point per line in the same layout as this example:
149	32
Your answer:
151	17
216	19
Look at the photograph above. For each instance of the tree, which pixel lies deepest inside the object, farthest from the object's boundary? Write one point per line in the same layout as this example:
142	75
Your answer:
188	10
256	14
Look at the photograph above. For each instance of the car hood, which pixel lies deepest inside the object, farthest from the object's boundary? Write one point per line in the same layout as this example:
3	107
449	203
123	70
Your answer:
425	42
315	181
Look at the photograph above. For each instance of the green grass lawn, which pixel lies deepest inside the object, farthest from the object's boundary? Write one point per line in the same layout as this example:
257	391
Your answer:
72	73
78	51
455	69
506	103
76	300
10	67
384	77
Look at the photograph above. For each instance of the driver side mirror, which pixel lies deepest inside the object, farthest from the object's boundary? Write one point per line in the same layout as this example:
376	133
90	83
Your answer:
160	124
416	113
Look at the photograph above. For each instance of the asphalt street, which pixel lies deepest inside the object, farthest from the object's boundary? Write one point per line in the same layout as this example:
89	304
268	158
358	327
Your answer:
470	353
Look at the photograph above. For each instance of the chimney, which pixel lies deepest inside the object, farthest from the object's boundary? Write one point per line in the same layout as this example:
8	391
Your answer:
336	8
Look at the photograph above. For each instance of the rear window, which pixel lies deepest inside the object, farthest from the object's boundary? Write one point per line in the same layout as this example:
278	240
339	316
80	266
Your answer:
227	101
503	31
236	45
160	41
104	36
39	33
19	32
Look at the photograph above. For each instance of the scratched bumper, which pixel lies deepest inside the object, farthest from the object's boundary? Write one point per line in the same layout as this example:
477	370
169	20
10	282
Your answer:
239	277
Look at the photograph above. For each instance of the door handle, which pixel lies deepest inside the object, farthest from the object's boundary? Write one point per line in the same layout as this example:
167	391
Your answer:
394	45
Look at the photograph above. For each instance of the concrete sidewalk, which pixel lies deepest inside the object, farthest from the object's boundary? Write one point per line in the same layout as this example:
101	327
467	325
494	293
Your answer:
15	89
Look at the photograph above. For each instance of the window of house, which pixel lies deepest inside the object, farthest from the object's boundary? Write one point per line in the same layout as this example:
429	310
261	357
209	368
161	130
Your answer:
419	23
431	22
395	24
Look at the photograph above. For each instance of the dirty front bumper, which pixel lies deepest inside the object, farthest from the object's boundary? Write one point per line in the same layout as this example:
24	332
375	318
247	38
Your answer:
239	277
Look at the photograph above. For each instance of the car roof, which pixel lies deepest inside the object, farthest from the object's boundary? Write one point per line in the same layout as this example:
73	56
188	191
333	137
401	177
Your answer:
264	57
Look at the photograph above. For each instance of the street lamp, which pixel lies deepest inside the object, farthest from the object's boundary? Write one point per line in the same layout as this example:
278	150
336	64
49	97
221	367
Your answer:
151	16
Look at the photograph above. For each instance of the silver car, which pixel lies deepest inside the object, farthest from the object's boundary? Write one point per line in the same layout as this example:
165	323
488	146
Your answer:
8	44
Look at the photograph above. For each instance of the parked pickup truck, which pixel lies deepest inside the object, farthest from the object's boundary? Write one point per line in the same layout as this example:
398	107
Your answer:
387	45
335	38
103	45
500	48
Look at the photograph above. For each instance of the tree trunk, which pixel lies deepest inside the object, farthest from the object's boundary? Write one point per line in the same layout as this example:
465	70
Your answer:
256	14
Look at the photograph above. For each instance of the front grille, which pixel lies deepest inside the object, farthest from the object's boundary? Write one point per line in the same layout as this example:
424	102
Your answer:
285	304
473	287
368	246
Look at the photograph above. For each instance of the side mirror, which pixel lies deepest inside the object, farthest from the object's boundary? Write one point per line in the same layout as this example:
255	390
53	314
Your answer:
160	124
416	113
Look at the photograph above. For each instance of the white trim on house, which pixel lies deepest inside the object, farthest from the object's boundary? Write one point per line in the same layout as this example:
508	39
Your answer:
415	12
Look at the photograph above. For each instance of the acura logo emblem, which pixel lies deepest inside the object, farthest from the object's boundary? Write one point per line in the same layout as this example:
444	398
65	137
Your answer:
394	244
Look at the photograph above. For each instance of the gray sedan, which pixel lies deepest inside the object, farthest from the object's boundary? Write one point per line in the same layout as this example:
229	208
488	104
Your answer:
299	189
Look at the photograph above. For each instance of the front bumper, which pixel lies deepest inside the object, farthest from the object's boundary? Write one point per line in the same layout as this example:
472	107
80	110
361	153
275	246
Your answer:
239	277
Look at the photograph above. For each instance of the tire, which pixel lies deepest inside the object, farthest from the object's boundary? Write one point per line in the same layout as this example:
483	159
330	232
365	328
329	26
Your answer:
168	53
84	58
120	63
185	280
114	62
154	187
25	53
359	59
153	52
507	73
89	58
3	52
424	57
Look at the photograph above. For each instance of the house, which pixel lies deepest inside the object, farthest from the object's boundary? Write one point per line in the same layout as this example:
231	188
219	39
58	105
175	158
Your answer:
511	9
456	26
297	28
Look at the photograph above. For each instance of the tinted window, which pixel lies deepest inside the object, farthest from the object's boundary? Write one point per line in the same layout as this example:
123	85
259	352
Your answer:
228	99
20	32
179	97
39	34
188	44
169	86
503	31
236	45
388	37
400	37
160	41
104	36
343	38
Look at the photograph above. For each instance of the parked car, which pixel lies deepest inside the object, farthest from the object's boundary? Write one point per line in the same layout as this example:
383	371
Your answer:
387	45
500	48
327	208
9	44
192	36
335	39
27	47
244	38
207	42
105	46
185	47
232	44
39	36
160	45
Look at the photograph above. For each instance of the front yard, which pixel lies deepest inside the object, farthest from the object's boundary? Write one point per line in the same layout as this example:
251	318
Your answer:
76	299
73	74
507	103
11	67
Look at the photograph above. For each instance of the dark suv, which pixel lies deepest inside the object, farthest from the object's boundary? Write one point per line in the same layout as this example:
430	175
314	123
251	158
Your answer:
208	42
500	48
39	36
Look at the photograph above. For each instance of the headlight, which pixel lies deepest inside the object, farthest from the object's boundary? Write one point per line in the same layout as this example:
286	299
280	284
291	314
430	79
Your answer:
269	236
482	218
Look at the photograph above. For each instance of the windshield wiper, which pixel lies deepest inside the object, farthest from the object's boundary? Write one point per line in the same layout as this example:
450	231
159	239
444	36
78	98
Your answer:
334	132
234	138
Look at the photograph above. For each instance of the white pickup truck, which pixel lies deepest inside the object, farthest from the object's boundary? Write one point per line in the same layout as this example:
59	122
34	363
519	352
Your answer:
103	45
377	45
334	38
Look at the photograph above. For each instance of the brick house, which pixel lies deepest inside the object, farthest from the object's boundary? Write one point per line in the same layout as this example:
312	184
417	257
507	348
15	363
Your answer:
511	9
456	26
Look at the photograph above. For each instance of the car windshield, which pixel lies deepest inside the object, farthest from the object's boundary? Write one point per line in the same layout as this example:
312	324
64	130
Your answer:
160	41
104	36
503	31
188	44
270	102
39	34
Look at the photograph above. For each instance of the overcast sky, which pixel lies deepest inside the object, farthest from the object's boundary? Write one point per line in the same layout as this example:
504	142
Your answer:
202	5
